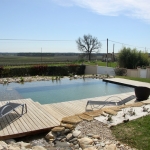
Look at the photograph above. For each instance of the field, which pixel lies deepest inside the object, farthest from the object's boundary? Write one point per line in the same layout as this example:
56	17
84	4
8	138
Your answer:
50	60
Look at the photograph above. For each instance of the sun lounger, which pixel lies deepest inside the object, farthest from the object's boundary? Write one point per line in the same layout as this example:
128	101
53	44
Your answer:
9	107
110	101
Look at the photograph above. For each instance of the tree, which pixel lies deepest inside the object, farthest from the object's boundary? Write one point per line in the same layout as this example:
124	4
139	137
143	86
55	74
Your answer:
131	58
88	44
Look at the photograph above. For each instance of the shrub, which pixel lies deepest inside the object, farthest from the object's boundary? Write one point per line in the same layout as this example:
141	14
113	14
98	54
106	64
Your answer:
42	70
1	70
120	71
38	70
131	58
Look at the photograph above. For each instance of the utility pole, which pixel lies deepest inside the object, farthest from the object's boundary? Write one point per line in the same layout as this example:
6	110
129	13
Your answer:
107	54
113	52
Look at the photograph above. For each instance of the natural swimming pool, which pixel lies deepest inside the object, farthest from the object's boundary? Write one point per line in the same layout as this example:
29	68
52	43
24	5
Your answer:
61	90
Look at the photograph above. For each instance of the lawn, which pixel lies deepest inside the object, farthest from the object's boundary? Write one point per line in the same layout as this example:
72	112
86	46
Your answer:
135	79
135	133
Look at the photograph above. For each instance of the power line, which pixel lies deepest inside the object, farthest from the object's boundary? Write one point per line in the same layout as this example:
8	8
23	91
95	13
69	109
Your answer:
36	40
33	40
128	44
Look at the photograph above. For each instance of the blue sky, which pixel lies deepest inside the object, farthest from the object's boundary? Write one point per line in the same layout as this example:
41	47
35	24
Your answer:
61	22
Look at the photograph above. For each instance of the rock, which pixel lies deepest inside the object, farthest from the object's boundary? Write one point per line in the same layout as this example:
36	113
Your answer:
1	147
76	133
110	147
58	129
76	146
102	144
38	148
85	142
62	144
3	144
74	139
66	131
50	135
89	135
10	141
95	140
69	136
90	148
10	147
75	142
70	126
96	136
23	144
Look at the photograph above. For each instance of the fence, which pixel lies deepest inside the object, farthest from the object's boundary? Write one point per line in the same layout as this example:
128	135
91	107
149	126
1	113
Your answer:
99	70
139	72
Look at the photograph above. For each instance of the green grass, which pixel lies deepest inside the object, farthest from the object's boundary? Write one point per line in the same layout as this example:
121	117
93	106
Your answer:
135	79
100	63
23	61
134	133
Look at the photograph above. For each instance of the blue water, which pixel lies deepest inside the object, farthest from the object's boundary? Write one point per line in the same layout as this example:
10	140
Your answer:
63	90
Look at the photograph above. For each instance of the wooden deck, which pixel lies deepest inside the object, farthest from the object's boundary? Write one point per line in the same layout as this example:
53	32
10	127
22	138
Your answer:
40	118
127	82
35	120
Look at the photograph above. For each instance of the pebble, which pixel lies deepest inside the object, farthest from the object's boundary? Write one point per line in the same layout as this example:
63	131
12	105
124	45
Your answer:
90	135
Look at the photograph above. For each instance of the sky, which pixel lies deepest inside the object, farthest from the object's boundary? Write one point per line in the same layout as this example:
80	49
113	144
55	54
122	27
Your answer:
55	25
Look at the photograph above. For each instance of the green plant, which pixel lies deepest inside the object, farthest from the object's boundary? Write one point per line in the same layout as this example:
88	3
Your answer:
145	109
120	71
134	133
70	74
109	118
131	58
131	112
21	79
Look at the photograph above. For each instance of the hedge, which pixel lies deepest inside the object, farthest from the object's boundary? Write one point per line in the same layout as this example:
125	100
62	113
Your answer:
43	70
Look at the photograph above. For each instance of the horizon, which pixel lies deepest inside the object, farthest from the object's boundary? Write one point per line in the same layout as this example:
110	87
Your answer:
55	25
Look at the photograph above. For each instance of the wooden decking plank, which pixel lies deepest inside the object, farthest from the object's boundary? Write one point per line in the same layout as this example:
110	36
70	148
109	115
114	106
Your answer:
55	110
77	105
22	121
18	124
52	112
12	129
70	107
4	128
9	120
28	118
1	130
33	115
39	114
63	109
42	116
67	107
47	115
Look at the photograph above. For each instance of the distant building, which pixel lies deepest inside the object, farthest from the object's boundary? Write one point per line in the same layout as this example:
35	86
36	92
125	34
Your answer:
111	57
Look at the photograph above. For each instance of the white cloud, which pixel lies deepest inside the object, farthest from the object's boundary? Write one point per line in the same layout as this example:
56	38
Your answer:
134	8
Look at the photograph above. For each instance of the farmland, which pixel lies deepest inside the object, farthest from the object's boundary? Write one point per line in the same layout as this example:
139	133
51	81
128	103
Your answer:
14	60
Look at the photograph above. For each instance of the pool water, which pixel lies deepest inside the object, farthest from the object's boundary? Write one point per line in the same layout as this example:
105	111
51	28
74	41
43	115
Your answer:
62	90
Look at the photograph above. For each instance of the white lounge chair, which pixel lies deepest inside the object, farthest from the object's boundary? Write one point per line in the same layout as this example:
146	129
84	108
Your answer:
110	101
